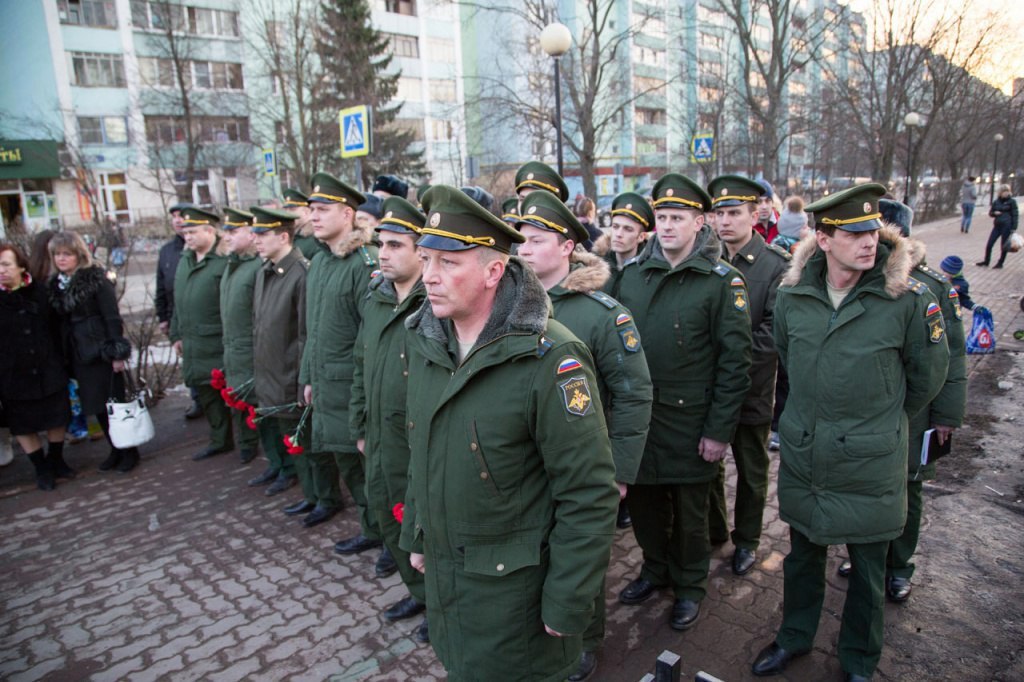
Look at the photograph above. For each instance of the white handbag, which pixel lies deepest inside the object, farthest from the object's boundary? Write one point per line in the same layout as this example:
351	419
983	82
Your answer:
130	422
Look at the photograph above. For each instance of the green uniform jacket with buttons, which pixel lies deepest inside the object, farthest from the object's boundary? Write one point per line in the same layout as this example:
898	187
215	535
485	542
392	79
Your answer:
950	404
236	287
334	294
855	374
377	411
610	333
511	487
695	322
196	319
279	335
762	267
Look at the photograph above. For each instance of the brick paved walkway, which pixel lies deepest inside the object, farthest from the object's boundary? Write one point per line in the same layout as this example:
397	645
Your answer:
179	571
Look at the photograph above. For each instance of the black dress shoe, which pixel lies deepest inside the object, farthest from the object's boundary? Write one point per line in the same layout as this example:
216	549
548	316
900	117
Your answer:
422	634
318	516
684	614
386	564
111	462
743	560
300	507
637	591
851	677
264	478
359	543
406	608
280	484
207	453
845	569
586	668
194	411
898	589
772	660
247	455
623	520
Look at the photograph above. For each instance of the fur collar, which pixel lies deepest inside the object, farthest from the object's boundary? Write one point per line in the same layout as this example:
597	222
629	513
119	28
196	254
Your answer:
896	261
521	304
588	272
83	285
359	236
706	245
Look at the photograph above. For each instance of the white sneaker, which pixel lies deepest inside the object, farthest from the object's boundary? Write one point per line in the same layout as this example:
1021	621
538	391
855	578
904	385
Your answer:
6	450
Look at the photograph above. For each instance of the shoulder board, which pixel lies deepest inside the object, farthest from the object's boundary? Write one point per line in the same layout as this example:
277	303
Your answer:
932	273
720	269
779	251
544	344
917	286
603	298
368	260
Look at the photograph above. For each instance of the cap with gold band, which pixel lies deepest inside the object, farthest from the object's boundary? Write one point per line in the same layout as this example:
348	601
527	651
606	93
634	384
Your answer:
733	190
853	210
455	223
293	198
537	175
402	217
545	211
267	219
235	218
328	189
193	215
635	207
510	210
675	190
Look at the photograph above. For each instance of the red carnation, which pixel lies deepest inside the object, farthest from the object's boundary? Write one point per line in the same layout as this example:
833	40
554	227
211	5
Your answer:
242	405
398	511
250	420
217	379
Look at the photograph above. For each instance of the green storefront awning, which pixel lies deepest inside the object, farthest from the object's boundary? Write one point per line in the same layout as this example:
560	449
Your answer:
28	159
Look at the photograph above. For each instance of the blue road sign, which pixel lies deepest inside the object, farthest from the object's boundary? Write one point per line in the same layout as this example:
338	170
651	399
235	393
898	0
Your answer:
356	131
269	162
702	147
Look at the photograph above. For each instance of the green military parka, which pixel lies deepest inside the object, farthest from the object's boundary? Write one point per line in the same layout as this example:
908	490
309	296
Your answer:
236	288
196	320
279	336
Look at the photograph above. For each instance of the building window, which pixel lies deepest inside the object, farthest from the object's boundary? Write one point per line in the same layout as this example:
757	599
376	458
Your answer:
157	72
194	20
280	133
650	145
201	75
114	191
97	70
202	21
408	90
647	86
414	126
648	117
442	90
96	13
210	129
406	7
648	56
440	130
404	46
103	130
441	50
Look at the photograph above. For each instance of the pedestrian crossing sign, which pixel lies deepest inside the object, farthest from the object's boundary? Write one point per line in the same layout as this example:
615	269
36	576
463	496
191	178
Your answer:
702	147
356	131
269	162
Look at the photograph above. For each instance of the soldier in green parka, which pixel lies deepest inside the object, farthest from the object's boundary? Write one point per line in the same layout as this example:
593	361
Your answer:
632	223
864	345
196	332
236	287
298	203
573	279
511	504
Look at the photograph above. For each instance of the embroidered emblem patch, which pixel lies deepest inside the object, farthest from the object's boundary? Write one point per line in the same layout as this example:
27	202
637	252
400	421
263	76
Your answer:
373	275
533	209
736	282
576	394
435	220
529	176
669	192
933	309
937	332
317	188
568	364
867	207
623	318
630	340
739	300
389	214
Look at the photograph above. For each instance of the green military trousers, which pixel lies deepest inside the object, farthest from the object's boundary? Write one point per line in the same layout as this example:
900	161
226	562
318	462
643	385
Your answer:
271	435
391	530
862	628
671	526
899	562
594	634
750	452
247	438
218	416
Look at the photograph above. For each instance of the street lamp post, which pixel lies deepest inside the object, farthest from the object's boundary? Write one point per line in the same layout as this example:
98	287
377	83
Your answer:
556	40
998	137
911	121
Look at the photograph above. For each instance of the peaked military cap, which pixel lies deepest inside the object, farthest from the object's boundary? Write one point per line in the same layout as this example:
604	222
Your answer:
633	206
541	176
193	215
733	190
854	209
510	210
391	184
236	217
420	191
675	190
293	198
328	189
402	217
544	210
178	208
456	223
372	205
267	219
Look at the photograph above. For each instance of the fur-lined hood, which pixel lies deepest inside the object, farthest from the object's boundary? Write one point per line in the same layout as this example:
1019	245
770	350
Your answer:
83	286
706	245
360	236
900	257
520	305
587	272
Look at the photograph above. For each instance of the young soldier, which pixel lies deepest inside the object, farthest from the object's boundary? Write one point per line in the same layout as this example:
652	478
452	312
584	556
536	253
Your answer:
573	279
236	288
510	210
632	221
868	348
377	411
298	203
692	311
734	201
511	504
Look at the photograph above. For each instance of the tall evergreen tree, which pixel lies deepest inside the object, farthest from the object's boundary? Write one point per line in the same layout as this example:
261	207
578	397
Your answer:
356	67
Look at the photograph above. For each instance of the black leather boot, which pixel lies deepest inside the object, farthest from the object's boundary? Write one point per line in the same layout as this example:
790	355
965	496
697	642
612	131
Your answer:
55	456
44	475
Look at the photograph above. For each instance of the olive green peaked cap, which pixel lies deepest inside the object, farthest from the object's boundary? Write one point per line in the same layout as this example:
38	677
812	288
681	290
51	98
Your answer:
266	219
733	190
401	216
293	198
546	211
193	215
675	190
328	189
541	176
854	209
510	210
455	223
236	217
635	207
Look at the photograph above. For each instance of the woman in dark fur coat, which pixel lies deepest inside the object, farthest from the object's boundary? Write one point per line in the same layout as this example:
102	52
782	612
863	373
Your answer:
92	333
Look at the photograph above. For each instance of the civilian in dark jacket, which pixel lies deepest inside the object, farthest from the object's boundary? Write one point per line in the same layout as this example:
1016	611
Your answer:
92	335
33	383
1005	214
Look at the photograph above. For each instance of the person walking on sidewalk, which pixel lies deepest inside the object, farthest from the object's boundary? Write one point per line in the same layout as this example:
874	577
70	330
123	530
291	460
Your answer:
1004	214
968	198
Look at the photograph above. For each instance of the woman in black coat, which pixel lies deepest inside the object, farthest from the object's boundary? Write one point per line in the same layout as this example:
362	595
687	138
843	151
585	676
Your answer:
92	333
33	383
1005	215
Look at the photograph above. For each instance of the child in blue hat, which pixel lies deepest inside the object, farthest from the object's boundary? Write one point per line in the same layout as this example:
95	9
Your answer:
953	267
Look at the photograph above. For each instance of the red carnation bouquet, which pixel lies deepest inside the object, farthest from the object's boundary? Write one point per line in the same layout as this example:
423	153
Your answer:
292	440
398	511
